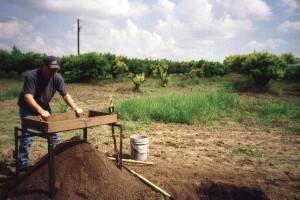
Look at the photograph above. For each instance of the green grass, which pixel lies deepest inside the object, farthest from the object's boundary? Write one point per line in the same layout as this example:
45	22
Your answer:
206	107
61	107
10	94
180	108
248	152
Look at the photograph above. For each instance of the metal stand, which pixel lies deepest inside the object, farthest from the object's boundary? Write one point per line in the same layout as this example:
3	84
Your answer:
51	156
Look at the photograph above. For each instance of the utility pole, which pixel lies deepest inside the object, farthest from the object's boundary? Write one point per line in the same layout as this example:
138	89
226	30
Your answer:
78	39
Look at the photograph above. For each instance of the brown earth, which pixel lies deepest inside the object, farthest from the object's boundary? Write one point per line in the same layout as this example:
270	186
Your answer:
82	172
190	161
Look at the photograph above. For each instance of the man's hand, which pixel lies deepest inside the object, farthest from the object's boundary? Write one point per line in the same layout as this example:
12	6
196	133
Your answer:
78	111
45	114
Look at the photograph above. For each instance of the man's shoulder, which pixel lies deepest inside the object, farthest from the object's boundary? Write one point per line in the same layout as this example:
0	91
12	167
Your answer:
32	72
58	76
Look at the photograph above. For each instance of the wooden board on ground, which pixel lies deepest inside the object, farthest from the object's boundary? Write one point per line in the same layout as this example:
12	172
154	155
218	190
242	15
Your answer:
68	121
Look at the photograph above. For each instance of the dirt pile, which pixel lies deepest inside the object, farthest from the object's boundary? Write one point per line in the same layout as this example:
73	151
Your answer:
82	172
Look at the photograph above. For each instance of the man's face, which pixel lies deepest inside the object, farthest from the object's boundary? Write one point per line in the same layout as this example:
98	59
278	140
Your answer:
48	73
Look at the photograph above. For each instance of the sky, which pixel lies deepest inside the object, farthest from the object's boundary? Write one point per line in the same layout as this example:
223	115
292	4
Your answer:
179	30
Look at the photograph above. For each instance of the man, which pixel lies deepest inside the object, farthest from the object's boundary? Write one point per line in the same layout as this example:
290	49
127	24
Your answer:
39	88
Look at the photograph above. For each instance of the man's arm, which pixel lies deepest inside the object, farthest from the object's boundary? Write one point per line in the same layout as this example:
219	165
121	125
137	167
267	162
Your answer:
69	101
35	106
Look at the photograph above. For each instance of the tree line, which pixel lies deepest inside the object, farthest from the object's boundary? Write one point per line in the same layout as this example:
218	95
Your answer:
261	67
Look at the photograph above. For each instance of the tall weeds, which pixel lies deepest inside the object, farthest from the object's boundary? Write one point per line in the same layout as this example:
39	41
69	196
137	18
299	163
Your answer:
205	107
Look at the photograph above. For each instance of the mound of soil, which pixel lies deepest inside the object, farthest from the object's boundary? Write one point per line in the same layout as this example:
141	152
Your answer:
82	172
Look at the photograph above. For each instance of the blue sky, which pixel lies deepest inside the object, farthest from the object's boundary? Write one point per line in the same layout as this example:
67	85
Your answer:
171	29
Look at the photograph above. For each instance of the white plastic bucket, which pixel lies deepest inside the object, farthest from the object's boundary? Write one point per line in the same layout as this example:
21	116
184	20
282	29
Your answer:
139	147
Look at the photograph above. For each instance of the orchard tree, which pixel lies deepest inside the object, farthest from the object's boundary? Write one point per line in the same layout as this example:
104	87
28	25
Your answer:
138	80
263	67
235	63
118	67
197	69
136	72
161	69
289	58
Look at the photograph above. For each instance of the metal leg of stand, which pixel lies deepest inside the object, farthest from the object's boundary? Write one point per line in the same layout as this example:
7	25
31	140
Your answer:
52	189
85	134
121	146
16	152
114	137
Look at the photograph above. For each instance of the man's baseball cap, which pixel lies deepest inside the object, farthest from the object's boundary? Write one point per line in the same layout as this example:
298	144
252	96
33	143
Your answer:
52	62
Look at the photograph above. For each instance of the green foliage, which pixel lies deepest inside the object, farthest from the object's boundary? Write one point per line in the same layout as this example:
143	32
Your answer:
263	67
138	80
205	68
4	61
136	72
215	69
162	70
19	62
235	63
177	67
84	67
197	69
10	94
90	66
118	67
136	66
293	72
289	58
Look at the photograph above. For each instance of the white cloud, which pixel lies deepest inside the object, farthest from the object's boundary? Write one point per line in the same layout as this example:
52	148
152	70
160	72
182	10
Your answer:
23	34
291	5
270	44
15	29
288	26
165	6
38	43
111	8
193	21
245	9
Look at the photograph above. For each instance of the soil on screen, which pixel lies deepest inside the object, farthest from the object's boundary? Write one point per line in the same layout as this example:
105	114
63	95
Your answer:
228	161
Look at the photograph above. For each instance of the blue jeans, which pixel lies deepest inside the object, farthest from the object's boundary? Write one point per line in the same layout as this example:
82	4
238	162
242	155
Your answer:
25	143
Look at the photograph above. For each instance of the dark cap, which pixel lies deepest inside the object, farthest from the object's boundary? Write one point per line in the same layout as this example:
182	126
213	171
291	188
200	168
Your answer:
52	62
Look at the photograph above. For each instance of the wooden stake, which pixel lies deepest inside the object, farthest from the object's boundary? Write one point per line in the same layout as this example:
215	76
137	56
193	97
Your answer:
150	183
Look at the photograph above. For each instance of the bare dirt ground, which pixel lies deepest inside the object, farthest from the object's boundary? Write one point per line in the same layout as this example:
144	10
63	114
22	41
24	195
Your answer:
196	161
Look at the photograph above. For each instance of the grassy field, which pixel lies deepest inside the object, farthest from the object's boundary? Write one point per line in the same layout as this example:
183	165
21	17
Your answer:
210	102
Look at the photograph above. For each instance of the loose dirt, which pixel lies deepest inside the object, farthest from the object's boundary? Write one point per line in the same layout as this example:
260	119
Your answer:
82	172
